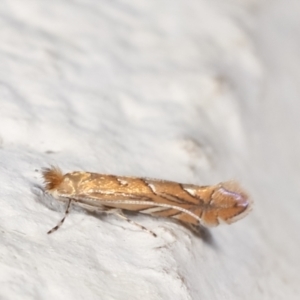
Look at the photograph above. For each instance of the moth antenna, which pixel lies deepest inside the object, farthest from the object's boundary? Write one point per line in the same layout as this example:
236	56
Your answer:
53	177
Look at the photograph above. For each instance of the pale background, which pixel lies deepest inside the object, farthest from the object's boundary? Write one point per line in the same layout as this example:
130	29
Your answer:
193	91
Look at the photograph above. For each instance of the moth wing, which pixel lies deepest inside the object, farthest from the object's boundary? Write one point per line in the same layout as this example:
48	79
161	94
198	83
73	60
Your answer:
97	201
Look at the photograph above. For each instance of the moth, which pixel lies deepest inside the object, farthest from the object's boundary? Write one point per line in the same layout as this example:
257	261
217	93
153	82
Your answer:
208	206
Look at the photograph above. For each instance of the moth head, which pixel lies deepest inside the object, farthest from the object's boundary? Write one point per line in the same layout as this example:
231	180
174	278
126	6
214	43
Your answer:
53	177
61	185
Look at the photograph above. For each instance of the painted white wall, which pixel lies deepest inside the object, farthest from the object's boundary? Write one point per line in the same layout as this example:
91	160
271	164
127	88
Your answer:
193	91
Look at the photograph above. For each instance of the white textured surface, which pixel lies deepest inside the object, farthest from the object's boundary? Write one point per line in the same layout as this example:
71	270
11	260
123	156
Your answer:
194	91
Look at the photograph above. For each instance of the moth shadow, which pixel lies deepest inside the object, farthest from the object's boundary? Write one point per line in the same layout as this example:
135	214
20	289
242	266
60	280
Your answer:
202	233
197	231
45	199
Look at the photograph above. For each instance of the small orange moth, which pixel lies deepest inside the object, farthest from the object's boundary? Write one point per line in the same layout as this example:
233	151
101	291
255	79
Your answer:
209	206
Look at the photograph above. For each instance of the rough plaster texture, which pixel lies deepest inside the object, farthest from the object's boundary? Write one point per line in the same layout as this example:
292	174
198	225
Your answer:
193	91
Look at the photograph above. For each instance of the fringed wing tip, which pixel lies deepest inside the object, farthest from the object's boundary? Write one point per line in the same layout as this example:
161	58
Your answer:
242	197
53	177
233	186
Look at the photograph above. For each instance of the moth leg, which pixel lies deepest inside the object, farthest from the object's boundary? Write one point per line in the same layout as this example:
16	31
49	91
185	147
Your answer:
63	219
121	215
